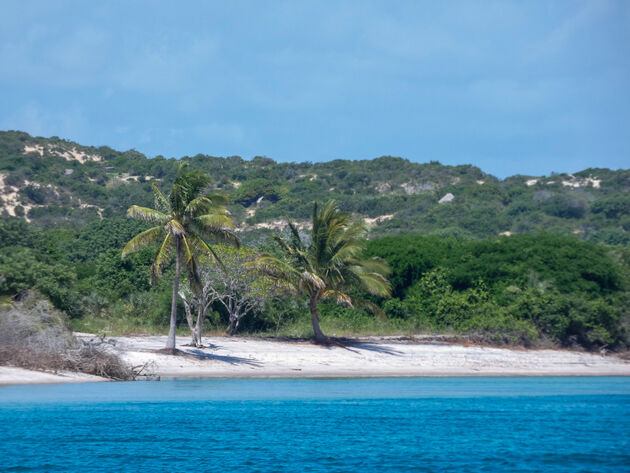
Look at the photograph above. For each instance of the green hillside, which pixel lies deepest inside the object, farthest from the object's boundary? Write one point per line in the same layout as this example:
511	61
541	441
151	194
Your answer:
54	182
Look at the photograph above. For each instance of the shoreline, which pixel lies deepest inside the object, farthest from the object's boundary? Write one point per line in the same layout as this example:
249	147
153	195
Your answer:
371	357
10	375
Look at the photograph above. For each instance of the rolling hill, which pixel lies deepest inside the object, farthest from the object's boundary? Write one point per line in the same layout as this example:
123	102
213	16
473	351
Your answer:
52	182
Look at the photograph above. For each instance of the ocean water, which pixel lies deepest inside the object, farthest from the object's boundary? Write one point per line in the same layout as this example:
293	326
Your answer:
366	425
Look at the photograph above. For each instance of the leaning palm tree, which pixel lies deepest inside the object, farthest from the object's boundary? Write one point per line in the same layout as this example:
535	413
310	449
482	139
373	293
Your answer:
329	264
184	219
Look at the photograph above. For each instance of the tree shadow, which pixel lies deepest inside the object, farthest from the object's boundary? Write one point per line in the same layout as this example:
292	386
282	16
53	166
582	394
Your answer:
375	347
209	346
356	345
233	360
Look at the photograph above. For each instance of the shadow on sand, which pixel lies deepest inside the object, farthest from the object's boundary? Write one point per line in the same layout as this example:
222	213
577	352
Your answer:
356	345
233	360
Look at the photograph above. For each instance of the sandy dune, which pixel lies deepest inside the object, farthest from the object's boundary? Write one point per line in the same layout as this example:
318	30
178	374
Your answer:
242	357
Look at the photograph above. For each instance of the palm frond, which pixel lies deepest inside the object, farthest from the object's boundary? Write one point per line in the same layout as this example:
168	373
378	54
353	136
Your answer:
276	269
162	257
356	231
186	250
161	202
286	247
295	234
281	275
219	199
373	265
197	206
147	214
175	228
345	252
370	306
309	280
142	240
178	198
340	297
191	263
202	247
374	283
219	234
215	220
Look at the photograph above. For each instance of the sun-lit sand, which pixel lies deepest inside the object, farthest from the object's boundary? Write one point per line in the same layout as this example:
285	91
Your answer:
243	357
12	375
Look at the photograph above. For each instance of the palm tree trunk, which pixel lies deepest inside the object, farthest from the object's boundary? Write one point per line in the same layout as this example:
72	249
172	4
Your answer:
319	335
170	342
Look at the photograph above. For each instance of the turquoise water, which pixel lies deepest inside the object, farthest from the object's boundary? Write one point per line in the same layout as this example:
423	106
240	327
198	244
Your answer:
375	425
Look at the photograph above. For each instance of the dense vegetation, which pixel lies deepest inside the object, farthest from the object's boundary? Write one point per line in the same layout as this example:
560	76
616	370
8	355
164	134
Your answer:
524	289
43	179
561	278
521	289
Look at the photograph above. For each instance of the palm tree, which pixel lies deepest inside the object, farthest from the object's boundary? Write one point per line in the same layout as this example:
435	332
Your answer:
183	221
329	264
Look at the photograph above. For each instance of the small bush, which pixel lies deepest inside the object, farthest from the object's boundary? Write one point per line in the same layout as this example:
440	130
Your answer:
34	336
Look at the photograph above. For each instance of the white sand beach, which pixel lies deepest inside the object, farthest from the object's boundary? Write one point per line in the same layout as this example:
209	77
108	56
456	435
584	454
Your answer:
12	375
245	357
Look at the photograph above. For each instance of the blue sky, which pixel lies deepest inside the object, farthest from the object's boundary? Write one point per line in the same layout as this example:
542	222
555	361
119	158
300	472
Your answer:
512	87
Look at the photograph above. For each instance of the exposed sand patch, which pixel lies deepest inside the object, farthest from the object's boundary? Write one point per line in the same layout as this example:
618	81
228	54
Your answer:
71	154
417	187
76	155
281	225
39	149
99	210
377	220
121	179
576	183
383	187
9	198
311	176
128	177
